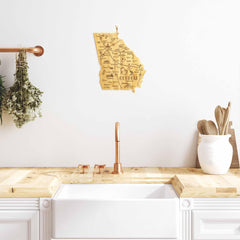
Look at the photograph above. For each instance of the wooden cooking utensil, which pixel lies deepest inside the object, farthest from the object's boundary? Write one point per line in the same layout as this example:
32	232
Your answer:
201	126
207	127
210	128
219	116
226	119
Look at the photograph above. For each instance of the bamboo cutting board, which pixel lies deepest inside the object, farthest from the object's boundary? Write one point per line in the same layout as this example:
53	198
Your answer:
232	140
211	186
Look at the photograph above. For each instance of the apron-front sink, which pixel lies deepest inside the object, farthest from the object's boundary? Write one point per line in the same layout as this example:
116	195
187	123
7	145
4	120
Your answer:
115	211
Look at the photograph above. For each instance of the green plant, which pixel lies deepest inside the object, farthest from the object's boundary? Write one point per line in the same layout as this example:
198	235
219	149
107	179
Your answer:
22	100
2	95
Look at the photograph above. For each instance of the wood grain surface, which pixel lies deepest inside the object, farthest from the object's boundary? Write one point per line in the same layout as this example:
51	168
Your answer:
188	182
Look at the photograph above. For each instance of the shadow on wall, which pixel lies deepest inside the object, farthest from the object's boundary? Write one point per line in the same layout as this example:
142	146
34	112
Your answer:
192	153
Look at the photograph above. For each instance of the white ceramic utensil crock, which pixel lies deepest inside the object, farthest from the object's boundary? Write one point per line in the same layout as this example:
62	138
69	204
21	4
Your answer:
215	153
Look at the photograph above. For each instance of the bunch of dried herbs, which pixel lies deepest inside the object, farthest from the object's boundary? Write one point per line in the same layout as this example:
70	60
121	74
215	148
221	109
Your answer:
2	95
22	100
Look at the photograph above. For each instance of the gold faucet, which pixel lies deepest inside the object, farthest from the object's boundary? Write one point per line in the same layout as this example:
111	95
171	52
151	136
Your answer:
117	169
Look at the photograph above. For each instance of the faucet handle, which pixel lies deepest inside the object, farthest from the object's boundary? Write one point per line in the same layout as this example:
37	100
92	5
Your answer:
99	167
84	168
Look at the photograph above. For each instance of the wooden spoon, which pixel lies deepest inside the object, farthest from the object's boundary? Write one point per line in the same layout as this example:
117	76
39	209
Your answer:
207	127
201	126
210	128
219	116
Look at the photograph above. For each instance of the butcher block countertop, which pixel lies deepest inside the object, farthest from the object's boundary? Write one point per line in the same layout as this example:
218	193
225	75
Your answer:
188	182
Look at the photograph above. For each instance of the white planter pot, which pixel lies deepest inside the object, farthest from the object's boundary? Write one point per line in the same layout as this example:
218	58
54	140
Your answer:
215	153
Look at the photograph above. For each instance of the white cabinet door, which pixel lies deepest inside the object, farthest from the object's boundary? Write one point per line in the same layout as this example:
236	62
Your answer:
19	225
113	239
216	224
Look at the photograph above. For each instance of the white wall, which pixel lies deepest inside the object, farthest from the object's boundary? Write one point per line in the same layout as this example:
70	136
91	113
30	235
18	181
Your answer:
190	49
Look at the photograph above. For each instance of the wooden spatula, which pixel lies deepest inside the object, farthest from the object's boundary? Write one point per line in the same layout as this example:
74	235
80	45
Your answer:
219	116
226	119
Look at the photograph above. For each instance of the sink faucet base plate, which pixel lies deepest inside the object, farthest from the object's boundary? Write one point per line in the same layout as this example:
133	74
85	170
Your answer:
117	168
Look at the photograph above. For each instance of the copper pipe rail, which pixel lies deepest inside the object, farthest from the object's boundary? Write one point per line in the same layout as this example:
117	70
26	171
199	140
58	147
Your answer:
37	50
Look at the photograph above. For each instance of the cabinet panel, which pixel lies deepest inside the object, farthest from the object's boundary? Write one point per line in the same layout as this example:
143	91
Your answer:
216	224
19	225
45	219
113	239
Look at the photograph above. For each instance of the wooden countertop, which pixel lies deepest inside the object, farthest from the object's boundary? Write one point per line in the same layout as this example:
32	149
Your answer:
188	182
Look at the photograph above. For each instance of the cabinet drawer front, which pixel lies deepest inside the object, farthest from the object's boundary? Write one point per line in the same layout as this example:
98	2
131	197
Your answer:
216	224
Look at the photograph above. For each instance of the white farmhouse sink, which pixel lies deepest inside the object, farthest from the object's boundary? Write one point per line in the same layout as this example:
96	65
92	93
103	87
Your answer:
115	211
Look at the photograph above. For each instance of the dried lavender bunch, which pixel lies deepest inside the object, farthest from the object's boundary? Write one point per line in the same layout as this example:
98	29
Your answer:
2	95
23	101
